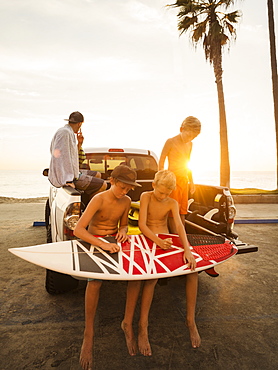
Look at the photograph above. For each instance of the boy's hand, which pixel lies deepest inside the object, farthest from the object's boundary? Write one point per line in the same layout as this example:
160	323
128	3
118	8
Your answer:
166	243
121	236
110	247
189	258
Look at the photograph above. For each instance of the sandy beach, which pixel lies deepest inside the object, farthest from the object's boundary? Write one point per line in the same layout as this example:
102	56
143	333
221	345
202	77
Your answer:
10	200
236	312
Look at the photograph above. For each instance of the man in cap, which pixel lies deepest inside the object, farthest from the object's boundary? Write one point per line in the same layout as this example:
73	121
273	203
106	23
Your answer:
64	164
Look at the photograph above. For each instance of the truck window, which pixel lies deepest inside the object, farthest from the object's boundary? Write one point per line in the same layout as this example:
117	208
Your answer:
145	166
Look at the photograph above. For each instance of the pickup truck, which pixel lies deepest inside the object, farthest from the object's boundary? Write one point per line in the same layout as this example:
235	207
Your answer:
211	209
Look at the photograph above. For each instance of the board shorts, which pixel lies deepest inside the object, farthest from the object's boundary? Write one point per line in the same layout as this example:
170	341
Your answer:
111	239
88	182
180	194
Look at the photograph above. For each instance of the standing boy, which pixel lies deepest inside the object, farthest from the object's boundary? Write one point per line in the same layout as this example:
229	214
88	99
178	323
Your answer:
178	151
106	214
154	209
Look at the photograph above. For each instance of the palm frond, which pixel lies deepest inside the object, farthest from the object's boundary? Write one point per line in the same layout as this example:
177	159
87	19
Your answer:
199	31
225	3
233	17
188	7
207	22
231	28
223	39
207	48
183	3
186	23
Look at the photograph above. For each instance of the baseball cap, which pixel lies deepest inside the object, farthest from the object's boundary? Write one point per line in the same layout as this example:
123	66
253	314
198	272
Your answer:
125	174
75	117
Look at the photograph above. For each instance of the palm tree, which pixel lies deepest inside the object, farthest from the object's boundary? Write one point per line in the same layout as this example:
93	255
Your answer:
209	24
274	72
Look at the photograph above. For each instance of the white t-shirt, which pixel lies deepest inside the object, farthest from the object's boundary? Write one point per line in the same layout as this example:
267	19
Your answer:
64	164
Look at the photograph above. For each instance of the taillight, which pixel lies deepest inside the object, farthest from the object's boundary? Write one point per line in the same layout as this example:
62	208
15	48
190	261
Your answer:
72	215
231	209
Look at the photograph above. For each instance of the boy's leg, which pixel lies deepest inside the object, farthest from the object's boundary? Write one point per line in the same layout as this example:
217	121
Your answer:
91	303
132	294
191	289
146	301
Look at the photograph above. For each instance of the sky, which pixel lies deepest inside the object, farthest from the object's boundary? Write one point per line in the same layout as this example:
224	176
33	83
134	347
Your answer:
124	66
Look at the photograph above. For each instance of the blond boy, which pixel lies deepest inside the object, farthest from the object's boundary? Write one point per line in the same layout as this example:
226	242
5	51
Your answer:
154	209
178	151
106	214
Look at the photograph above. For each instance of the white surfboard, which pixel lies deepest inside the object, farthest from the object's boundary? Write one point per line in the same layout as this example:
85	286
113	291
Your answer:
139	259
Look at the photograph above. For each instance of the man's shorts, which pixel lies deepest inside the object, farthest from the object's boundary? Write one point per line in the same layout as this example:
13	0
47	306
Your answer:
180	194
87	182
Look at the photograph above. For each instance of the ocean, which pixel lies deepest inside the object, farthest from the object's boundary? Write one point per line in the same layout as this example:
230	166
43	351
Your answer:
32	184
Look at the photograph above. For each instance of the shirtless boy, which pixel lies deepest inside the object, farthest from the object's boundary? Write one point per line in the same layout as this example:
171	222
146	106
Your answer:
106	214
178	152
154	209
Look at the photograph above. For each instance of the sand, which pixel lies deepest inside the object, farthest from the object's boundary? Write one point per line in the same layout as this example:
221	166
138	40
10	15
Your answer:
22	200
236	312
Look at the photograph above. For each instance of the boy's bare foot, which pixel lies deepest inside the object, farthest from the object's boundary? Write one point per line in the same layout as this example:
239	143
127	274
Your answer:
130	338
86	355
143	341
194	335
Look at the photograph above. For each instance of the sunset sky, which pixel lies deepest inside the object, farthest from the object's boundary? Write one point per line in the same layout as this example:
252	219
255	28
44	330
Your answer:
124	66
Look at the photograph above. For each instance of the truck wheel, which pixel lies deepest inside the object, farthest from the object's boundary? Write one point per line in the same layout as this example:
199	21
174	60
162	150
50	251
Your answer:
57	283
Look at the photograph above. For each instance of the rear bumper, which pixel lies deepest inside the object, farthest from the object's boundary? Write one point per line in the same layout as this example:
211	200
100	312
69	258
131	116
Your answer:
244	247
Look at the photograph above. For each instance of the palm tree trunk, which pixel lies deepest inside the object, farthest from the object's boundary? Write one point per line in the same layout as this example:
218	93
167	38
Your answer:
224	146
274	73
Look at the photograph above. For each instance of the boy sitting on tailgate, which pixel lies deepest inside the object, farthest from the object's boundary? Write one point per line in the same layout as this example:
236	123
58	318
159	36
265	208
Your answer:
106	214
153	216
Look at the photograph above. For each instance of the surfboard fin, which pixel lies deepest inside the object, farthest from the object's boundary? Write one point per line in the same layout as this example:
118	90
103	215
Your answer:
211	272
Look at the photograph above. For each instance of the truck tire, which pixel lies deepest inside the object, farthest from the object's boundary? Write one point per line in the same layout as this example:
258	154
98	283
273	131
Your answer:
55	282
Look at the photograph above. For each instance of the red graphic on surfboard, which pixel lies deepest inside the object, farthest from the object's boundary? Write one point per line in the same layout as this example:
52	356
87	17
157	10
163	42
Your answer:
142	259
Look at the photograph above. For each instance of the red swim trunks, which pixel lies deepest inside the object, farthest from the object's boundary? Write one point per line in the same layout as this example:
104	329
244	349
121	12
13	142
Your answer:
180	194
